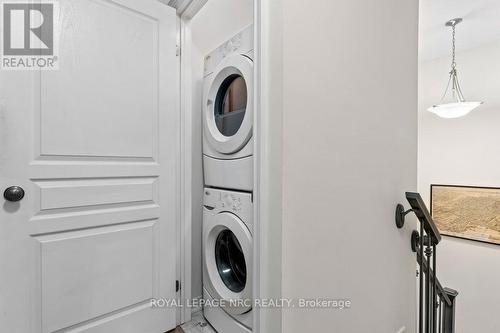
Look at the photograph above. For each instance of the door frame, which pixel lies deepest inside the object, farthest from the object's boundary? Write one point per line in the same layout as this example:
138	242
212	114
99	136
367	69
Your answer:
185	221
268	185
185	14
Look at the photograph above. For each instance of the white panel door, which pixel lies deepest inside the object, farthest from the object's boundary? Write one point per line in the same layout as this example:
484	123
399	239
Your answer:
95	147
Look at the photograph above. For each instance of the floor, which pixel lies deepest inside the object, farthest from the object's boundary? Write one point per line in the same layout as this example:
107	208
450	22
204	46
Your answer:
198	324
177	330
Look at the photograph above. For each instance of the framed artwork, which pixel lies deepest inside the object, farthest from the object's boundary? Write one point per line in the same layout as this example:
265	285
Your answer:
467	212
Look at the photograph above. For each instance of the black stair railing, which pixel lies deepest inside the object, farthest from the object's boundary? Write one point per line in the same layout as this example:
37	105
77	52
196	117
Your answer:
436	304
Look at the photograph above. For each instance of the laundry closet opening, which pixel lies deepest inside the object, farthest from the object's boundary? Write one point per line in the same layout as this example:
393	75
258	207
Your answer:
217	82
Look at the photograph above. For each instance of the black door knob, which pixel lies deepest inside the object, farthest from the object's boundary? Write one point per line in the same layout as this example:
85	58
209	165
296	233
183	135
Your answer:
14	193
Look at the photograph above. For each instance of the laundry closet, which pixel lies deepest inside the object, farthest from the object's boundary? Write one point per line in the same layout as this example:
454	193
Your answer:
218	84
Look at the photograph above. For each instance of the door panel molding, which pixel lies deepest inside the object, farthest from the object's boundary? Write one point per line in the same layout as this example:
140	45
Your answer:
77	112
113	267
79	193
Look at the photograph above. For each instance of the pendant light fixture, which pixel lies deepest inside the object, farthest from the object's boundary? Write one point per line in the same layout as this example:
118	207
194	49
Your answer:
453	104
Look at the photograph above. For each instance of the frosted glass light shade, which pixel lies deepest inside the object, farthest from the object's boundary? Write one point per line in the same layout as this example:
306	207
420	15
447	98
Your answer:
453	110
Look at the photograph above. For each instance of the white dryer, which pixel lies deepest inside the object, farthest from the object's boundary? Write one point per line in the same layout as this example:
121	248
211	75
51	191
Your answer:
227	260
228	114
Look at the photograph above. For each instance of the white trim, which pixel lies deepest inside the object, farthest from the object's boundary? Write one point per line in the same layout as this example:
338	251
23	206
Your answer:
185	224
268	190
186	169
179	225
198	307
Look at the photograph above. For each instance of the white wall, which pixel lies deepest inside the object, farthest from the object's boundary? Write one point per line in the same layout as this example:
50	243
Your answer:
217	22
465	151
349	153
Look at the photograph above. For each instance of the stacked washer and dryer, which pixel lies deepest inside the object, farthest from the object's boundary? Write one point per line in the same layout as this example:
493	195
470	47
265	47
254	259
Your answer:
228	176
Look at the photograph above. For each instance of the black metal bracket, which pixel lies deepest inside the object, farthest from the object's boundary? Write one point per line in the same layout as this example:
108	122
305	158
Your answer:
415	240
400	215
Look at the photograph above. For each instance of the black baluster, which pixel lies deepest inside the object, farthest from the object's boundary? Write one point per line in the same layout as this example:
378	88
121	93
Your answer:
428	253
440	313
421	291
434	293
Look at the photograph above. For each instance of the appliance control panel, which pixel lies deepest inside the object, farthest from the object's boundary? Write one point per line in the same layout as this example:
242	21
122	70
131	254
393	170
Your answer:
239	203
241	43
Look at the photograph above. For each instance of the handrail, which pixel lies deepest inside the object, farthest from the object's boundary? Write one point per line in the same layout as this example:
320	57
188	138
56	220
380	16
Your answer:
420	210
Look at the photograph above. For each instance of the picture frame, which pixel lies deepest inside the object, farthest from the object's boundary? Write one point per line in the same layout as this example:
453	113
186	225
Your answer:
467	212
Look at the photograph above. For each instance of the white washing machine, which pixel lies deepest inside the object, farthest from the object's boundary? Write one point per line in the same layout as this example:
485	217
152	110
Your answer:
227	260
228	114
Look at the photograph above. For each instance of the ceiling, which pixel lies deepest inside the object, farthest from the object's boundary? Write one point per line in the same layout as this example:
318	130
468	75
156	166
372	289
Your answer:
177	4
186	8
481	25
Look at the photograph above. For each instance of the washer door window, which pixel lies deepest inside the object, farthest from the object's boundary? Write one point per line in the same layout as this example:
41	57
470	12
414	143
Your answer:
230	261
228	113
230	105
227	252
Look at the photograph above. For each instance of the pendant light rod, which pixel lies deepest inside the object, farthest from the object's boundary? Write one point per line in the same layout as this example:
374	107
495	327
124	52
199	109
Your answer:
456	90
453	23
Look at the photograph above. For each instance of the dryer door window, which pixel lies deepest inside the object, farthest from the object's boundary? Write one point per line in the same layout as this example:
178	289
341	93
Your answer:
230	105
230	261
